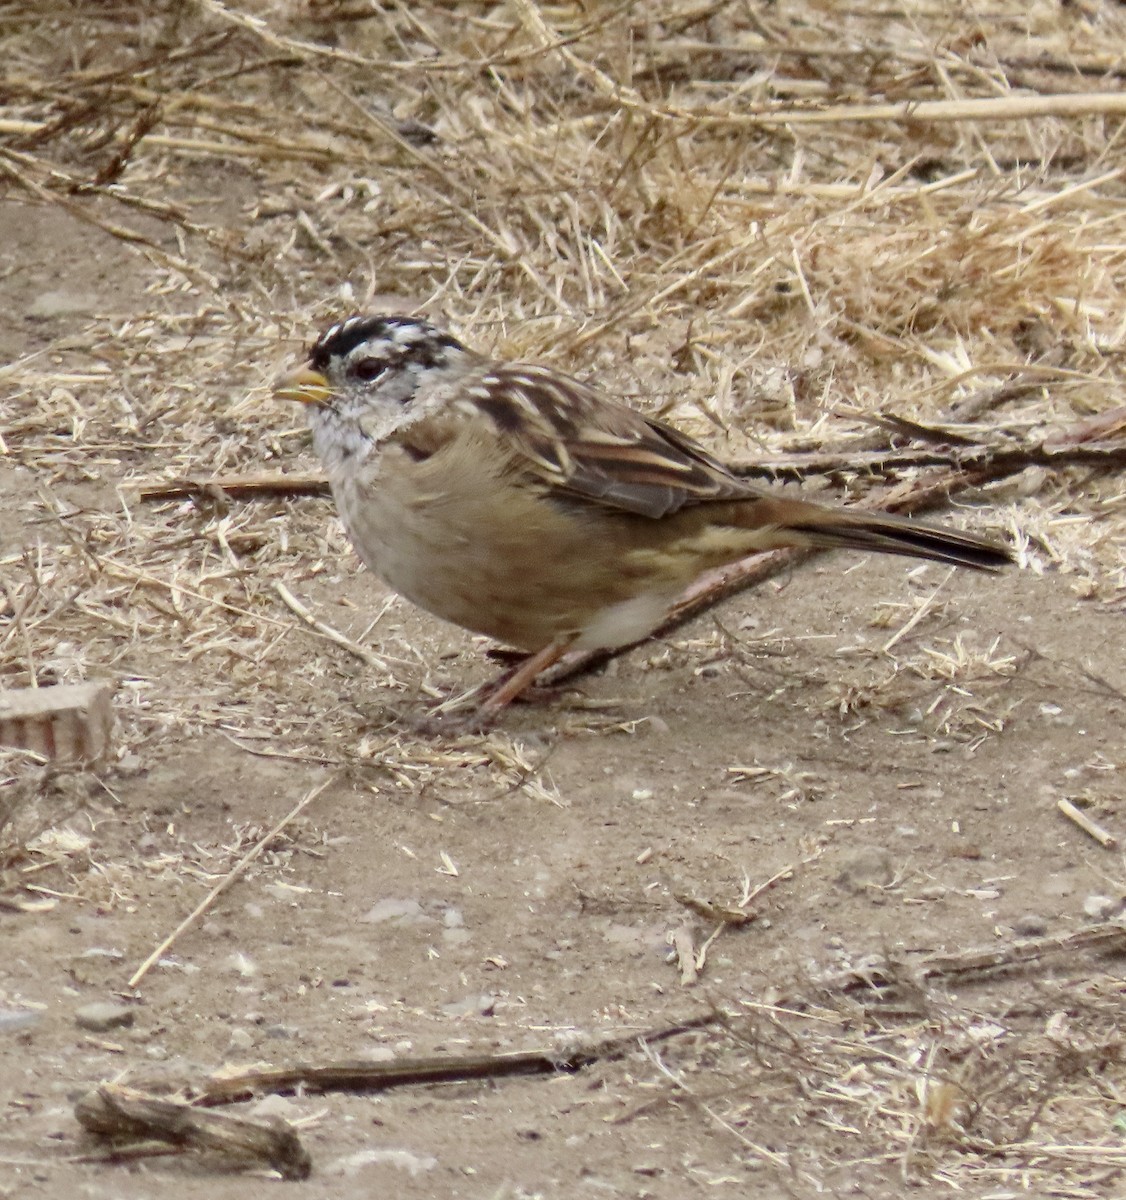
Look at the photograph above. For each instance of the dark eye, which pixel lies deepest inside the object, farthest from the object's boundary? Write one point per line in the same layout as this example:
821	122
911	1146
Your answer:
368	369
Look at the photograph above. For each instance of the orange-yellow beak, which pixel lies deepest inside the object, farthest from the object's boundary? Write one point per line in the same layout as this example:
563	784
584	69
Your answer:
304	385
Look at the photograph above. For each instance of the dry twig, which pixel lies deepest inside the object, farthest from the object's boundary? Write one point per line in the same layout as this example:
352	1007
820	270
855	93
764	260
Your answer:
412	1072
1090	827
234	873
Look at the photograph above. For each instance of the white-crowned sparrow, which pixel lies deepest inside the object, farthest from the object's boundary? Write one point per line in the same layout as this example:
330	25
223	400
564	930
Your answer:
518	502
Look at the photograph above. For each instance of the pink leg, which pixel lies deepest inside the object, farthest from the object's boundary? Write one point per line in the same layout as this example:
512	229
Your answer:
511	687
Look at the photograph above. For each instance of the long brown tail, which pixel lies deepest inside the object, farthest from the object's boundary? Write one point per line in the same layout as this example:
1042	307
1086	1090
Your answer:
832	527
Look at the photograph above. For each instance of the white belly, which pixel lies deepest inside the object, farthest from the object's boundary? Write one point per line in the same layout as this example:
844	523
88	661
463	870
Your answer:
625	622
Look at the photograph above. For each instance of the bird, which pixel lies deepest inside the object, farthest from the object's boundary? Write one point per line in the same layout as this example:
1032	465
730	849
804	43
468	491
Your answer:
518	502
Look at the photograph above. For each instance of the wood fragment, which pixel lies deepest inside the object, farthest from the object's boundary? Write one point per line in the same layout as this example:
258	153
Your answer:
725	914
67	722
684	947
361	1076
934	435
116	1112
885	976
1089	826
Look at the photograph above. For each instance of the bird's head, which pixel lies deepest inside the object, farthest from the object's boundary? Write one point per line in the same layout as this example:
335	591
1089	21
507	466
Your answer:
362	376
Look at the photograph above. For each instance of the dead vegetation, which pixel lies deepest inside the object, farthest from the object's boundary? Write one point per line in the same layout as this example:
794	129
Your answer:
769	223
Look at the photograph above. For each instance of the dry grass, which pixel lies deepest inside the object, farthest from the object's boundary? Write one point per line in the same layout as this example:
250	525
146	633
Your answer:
936	1088
628	190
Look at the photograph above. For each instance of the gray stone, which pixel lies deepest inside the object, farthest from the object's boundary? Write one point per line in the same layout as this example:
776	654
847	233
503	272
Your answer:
62	303
14	1020
271	1107
1102	908
1030	925
241	1039
103	1015
405	1160
402	912
866	867
482	1006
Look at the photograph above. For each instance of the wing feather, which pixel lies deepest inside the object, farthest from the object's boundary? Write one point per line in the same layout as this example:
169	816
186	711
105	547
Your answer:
580	444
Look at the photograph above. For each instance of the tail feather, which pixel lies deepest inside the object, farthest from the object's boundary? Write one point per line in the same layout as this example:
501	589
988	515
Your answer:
896	535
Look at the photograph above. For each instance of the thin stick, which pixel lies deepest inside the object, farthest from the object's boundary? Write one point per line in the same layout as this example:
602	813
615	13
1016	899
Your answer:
918	614
226	882
334	635
1002	459
753	894
778	1160
1089	827
237	487
988	108
1052	452
362	1076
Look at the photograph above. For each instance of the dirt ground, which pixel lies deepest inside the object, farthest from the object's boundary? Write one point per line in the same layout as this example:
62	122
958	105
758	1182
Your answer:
748	866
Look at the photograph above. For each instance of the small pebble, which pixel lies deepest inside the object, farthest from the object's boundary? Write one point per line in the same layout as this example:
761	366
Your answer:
103	1015
869	866
483	1006
402	912
276	1106
241	1039
1030	925
1102	908
63	303
13	1020
242	965
415	1164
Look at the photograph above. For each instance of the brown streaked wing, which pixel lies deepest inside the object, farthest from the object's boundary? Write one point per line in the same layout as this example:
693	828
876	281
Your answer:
583	445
